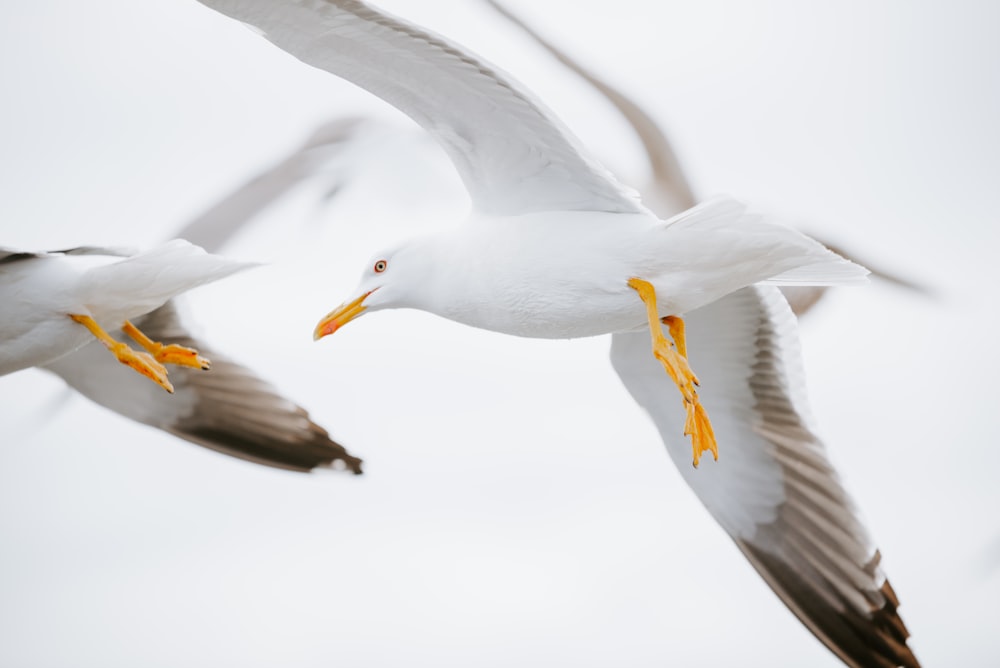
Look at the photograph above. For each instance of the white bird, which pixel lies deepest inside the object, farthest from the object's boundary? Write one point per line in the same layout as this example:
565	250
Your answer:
52	303
557	248
668	190
231	409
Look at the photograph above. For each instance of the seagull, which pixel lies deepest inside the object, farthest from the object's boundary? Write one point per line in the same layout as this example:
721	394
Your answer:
231	410
668	190
556	248
52	303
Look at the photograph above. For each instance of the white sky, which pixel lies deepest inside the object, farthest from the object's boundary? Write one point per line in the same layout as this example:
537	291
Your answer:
517	508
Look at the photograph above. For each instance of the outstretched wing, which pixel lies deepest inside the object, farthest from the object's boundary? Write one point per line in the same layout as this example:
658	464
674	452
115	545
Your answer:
512	153
669	190
222	221
10	255
773	489
229	409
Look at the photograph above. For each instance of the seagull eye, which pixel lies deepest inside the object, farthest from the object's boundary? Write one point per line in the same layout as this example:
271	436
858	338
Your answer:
380	266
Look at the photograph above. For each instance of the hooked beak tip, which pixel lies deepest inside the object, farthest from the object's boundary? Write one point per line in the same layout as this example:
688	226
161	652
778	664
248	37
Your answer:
324	329
340	317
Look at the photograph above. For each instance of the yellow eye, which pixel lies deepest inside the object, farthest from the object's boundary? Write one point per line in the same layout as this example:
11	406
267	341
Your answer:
380	266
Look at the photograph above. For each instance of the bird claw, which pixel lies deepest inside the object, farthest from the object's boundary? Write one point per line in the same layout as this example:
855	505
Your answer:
143	363
702	434
673	356
167	354
181	356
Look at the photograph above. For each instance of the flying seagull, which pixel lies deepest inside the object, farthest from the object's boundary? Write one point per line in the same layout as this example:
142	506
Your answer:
231	409
557	248
52	303
668	190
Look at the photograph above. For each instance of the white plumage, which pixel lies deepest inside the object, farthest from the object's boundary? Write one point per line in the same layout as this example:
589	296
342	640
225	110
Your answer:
39	291
564	274
230	409
549	252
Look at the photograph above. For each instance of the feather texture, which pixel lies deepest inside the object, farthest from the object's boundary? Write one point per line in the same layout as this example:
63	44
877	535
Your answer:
229	408
773	489
512	153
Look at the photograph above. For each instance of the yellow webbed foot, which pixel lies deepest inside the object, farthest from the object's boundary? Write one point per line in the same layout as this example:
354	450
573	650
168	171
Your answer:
142	363
699	427
181	356
167	354
673	356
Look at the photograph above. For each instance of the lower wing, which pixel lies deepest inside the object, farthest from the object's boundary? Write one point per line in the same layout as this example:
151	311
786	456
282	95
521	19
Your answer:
773	489
228	409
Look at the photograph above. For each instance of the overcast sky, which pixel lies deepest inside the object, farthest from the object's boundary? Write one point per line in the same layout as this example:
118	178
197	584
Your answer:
517	507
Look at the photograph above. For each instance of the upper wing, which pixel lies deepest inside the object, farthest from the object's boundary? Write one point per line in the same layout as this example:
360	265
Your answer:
773	489
14	255
228	408
669	191
512	153
8	255
224	219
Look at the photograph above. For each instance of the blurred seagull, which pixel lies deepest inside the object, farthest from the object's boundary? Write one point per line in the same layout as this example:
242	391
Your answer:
52	303
225	219
668	190
557	248
231	409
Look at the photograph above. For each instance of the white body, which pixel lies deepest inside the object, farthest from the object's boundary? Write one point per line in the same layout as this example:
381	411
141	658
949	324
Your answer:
39	293
565	274
33	293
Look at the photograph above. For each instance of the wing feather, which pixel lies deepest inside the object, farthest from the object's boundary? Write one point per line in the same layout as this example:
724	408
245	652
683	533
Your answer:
669	190
773	489
513	154
228	409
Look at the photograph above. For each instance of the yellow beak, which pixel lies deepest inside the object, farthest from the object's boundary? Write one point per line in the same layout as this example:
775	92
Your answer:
339	317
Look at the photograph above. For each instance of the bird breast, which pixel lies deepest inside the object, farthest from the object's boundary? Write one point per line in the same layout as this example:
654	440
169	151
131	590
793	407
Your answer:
552	275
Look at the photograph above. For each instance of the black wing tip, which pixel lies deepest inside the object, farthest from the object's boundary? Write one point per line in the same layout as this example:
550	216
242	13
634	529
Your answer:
300	456
344	463
878	638
246	418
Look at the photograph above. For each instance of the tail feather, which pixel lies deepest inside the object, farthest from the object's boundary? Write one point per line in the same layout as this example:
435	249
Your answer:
827	268
145	281
774	254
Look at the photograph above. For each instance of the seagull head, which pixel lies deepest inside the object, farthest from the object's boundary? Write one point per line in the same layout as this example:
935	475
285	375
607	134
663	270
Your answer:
392	279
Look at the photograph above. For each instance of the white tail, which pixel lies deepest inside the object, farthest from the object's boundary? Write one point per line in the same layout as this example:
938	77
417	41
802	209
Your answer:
795	258
147	280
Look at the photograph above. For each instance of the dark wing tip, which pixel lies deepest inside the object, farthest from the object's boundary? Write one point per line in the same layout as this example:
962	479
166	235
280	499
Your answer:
10	256
874	638
303	455
239	414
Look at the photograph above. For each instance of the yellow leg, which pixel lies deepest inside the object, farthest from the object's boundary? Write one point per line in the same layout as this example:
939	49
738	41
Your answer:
167	354
143	363
676	327
673	356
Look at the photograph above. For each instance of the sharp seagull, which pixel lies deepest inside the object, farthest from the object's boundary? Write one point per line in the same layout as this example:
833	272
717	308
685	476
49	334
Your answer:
668	190
557	248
